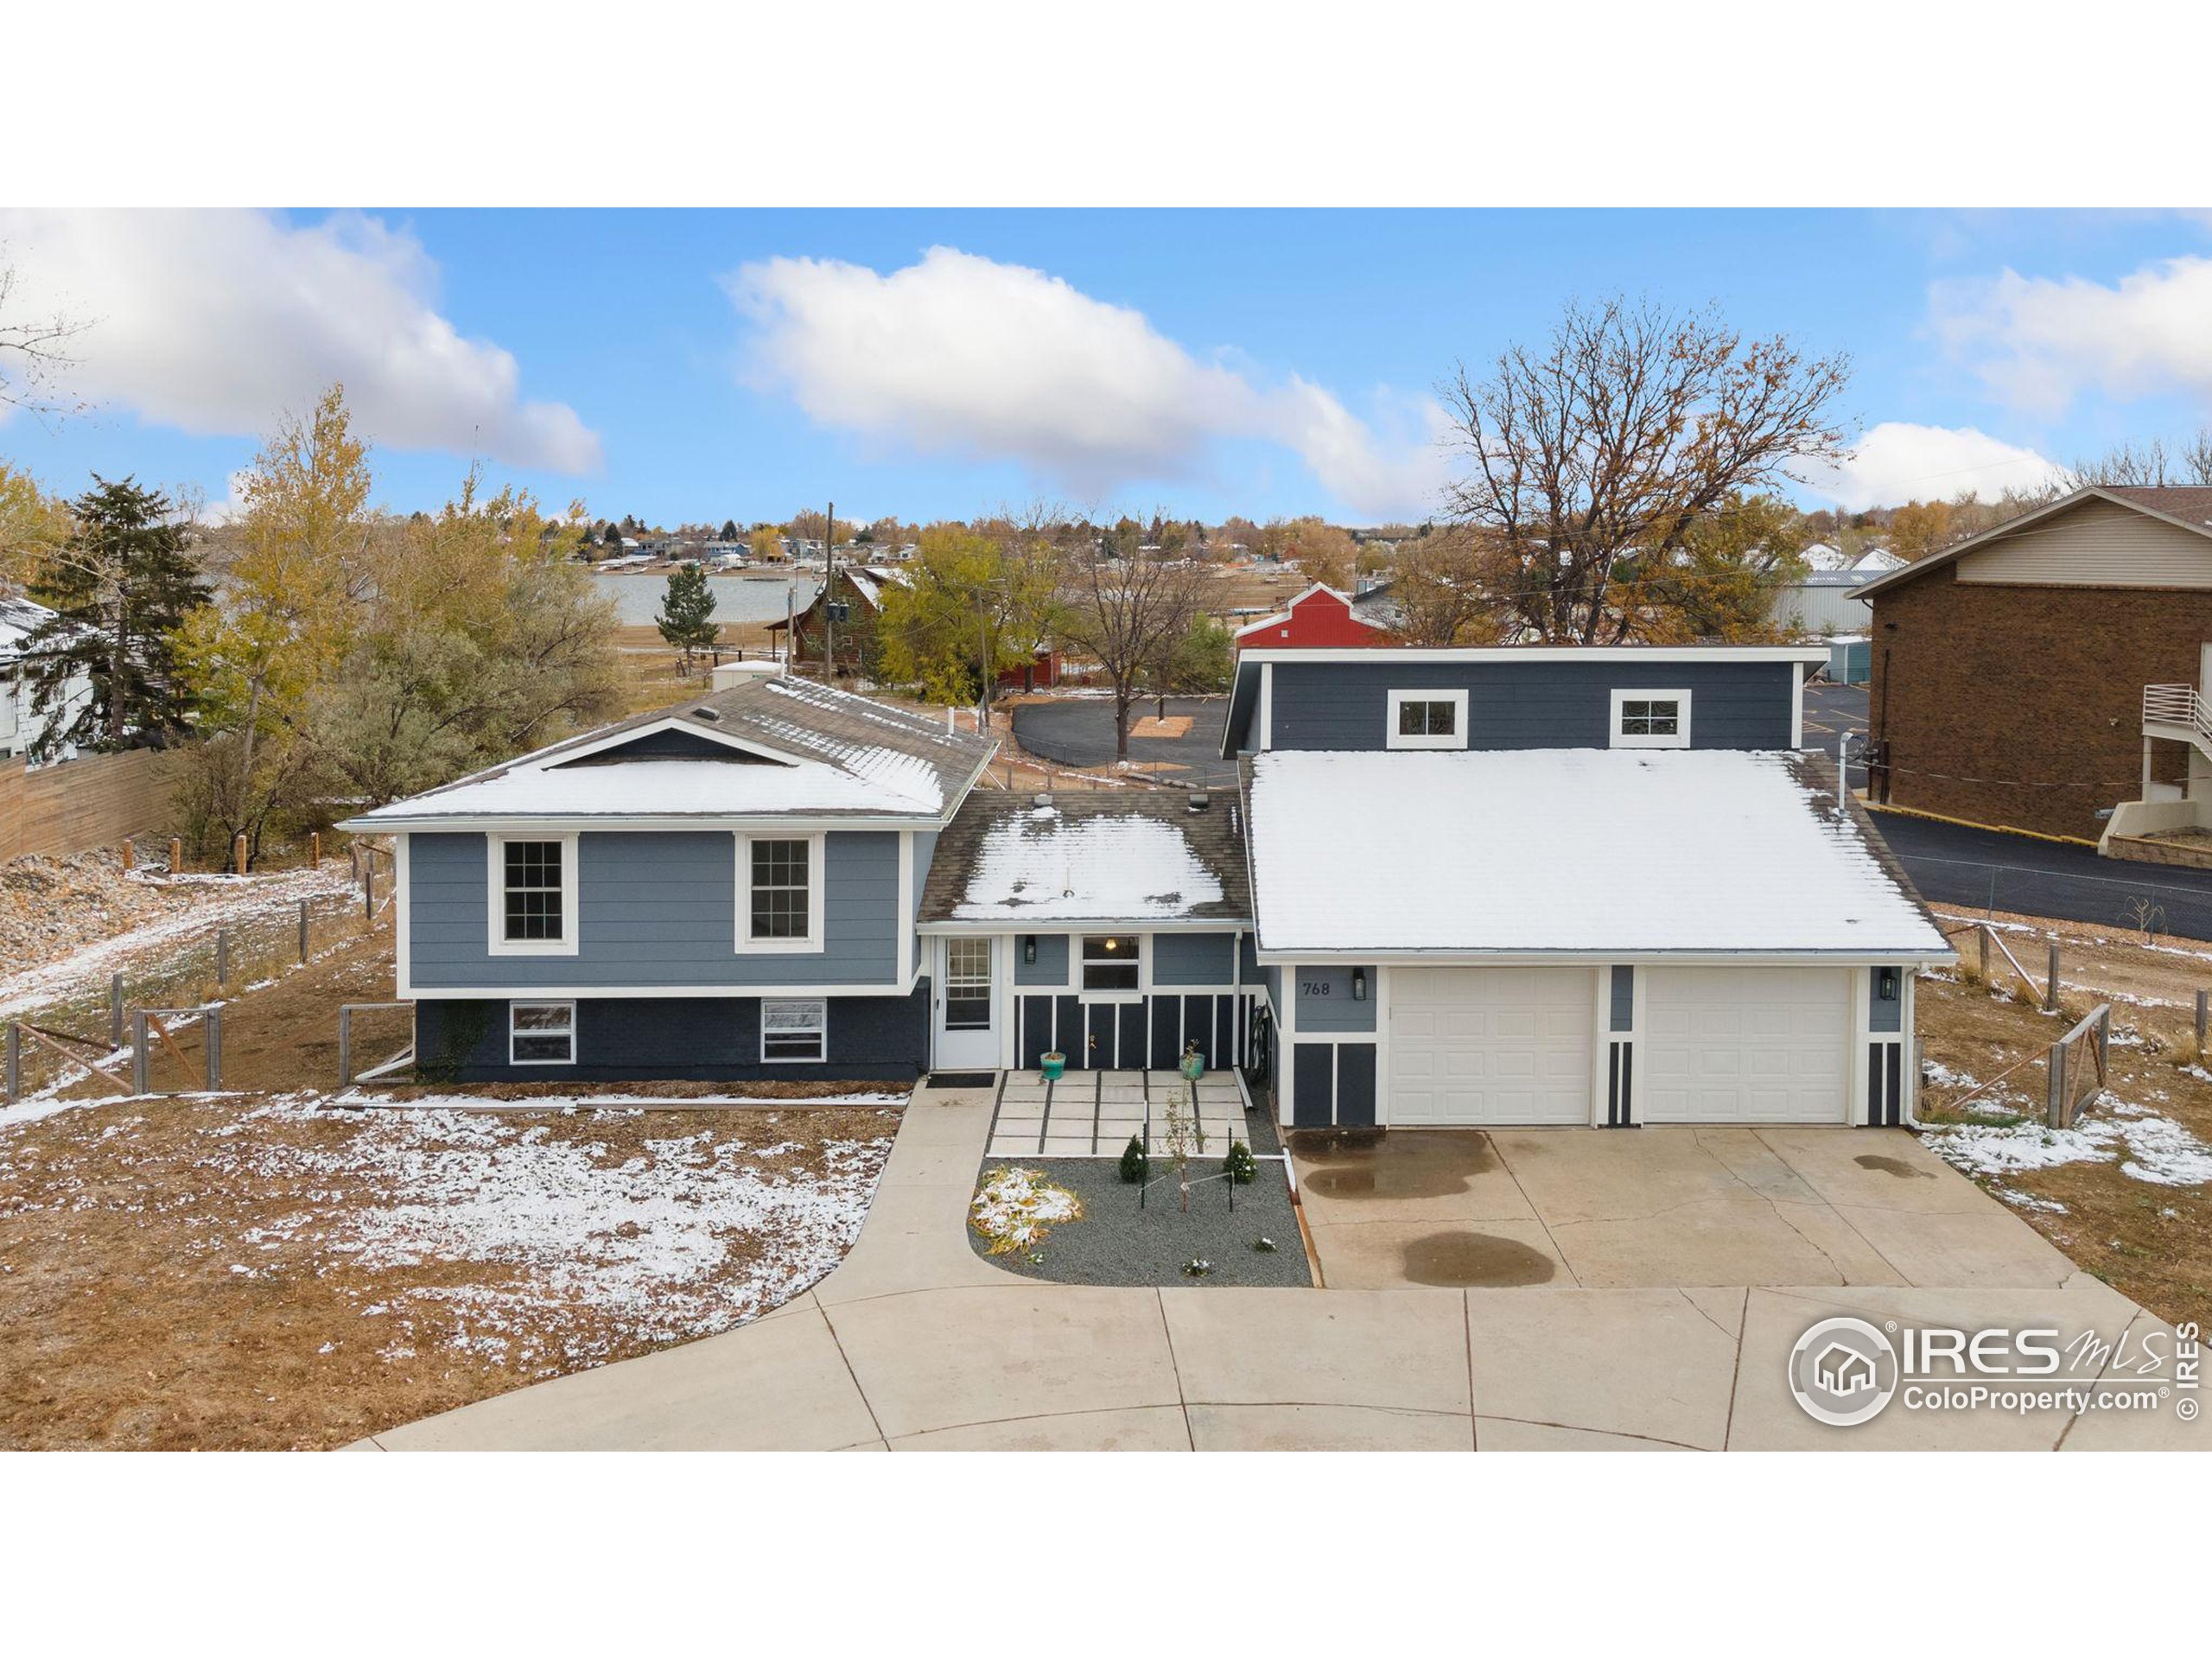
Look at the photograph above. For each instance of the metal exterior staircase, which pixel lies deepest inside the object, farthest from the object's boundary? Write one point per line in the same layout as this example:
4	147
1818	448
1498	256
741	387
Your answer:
2179	712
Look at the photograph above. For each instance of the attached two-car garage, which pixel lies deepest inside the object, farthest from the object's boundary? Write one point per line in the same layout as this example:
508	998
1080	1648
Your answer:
1715	1045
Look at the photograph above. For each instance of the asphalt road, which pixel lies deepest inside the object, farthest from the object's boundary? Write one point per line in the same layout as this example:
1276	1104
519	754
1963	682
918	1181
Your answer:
1079	732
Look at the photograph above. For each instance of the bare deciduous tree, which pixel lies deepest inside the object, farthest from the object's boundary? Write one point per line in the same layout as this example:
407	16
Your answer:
1614	437
33	357
2148	463
1128	613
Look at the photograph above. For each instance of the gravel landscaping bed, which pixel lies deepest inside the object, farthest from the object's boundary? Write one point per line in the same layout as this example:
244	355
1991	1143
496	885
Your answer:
1117	1243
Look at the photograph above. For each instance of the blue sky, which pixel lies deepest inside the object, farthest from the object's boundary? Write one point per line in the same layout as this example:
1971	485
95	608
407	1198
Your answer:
700	365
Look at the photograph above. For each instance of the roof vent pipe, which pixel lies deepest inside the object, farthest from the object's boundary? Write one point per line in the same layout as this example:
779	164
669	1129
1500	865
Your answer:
1199	800
1044	797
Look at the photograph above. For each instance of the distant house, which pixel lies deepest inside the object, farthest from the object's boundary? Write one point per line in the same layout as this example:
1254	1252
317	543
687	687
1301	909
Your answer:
1321	618
1825	602
2051	674
20	728
858	591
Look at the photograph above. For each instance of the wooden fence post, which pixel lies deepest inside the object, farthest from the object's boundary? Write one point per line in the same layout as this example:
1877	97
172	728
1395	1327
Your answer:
2055	1095
11	1071
1982	933
130	853
176	853
303	932
314	850
222	957
138	1055
237	853
2050	982
345	1046
213	1021
115	1010
369	890
2203	1009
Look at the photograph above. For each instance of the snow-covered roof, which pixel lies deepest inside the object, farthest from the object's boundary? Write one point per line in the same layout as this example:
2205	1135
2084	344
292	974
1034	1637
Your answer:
764	748
1104	856
1877	561
1826	555
1593	852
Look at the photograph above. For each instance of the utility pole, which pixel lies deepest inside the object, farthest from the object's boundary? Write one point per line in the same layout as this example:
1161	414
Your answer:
829	598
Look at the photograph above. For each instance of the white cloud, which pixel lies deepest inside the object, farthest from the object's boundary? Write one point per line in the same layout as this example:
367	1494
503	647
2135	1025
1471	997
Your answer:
216	322
1898	461
962	354
2039	342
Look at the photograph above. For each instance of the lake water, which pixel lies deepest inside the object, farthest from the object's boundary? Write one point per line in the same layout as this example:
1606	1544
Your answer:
737	599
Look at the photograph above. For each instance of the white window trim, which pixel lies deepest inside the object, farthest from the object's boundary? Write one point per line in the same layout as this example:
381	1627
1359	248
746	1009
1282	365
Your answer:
540	1002
819	1058
1621	740
495	865
1456	740
1136	993
816	858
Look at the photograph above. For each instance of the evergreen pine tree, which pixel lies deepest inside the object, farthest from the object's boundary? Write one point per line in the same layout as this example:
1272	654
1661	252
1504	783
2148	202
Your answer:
120	588
687	613
612	537
729	531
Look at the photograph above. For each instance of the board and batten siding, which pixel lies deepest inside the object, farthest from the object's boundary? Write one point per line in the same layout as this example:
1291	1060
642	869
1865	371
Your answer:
1530	705
2097	544
655	908
1194	958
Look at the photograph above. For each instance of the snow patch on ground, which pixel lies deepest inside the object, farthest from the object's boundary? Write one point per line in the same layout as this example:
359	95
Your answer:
1015	1208
2148	1148
647	1245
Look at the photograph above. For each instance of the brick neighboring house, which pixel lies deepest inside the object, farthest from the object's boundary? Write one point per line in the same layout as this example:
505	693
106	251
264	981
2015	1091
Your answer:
2014	674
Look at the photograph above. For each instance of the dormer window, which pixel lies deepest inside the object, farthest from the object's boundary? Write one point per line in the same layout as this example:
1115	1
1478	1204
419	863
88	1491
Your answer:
1650	720
1428	720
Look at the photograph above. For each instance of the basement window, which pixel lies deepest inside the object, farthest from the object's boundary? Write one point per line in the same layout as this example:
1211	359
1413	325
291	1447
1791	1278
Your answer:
541	1033
794	1033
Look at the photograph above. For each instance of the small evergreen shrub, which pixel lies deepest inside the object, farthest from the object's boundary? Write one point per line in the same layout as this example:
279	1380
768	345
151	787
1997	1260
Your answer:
1239	1165
1134	1162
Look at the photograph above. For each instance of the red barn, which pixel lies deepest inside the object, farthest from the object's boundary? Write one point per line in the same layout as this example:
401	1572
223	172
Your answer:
1319	616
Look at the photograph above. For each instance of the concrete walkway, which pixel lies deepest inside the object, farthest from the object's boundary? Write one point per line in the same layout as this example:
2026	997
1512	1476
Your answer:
914	1342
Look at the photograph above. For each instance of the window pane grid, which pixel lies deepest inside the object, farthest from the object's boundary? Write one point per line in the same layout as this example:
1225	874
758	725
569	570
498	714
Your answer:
968	985
794	1031
779	909
533	896
1110	961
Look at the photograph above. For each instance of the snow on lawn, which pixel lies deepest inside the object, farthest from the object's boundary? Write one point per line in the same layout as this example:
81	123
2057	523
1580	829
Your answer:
692	1238
1015	1208
233	903
2148	1148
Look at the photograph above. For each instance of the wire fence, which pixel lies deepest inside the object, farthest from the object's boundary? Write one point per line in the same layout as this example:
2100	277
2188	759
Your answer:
2150	907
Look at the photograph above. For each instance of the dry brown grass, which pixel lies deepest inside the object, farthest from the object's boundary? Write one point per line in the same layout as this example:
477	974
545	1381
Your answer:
2152	1242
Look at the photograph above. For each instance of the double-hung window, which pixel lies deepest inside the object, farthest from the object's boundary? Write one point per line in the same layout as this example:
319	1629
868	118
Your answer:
541	1033
533	893
1428	720
1112	962
794	1031
779	892
1652	719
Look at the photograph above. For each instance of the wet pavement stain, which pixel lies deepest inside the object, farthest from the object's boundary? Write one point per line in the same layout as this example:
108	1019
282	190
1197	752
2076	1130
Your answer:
1463	1260
1405	1164
1896	1166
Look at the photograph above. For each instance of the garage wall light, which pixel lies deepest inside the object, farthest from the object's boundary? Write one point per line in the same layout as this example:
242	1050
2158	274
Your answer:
1887	985
1359	984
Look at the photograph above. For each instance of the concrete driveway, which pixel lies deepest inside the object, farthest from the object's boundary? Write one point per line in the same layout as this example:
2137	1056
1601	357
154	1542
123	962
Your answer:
1656	1207
916	1343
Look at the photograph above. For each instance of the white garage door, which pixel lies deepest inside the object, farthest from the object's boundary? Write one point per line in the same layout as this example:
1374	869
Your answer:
1491	1044
1744	1046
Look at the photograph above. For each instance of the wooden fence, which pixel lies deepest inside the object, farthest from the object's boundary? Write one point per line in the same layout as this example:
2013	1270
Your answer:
93	801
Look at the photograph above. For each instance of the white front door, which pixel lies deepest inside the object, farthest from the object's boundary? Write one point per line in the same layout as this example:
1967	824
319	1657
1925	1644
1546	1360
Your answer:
1745	1045
1490	1045
967	1006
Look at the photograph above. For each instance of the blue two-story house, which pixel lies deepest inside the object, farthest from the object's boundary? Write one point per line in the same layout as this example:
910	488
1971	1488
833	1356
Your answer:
725	889
1478	887
1533	885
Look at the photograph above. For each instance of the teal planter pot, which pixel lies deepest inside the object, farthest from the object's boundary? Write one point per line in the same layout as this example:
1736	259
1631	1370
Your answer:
1054	1064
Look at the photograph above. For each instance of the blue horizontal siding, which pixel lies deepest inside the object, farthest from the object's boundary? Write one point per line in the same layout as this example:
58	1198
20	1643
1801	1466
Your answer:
656	908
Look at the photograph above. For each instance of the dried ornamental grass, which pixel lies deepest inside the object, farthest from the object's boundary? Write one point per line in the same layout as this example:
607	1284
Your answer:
1015	1208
